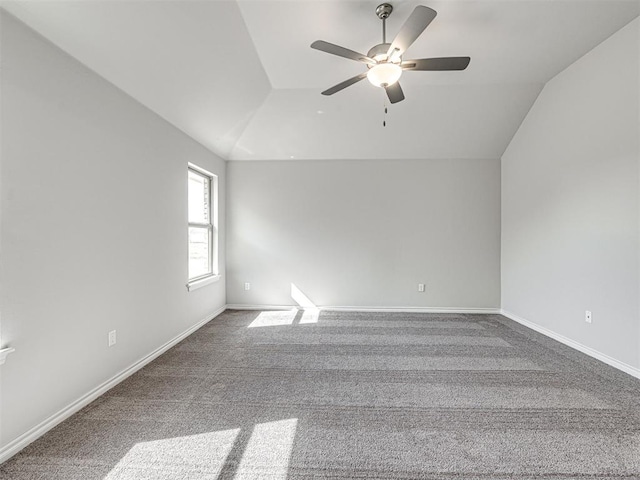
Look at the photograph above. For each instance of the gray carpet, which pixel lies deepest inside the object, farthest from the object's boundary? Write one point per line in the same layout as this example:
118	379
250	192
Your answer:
280	395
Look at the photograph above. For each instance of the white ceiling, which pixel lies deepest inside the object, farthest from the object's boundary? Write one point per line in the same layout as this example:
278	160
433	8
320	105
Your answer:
240	78
509	41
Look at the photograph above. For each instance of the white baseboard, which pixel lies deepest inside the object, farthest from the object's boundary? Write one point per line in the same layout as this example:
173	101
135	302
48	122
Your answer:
242	306
626	368
36	432
413	309
237	306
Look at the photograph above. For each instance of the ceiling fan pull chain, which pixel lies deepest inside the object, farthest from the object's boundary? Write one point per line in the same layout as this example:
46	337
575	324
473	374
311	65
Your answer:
384	116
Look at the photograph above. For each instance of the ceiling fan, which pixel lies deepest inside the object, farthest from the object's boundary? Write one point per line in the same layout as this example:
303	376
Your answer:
384	61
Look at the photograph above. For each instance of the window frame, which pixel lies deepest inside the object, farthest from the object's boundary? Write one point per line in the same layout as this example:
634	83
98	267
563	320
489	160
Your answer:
212	227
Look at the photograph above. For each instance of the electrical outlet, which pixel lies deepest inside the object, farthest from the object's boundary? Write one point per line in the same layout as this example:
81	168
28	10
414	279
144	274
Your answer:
247	286
587	316
112	338
421	287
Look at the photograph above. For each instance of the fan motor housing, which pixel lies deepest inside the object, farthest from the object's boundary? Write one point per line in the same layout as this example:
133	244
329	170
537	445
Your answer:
380	51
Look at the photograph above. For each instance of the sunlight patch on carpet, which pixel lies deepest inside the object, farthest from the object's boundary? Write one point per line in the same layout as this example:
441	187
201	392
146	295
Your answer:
268	451
274	319
199	454
310	315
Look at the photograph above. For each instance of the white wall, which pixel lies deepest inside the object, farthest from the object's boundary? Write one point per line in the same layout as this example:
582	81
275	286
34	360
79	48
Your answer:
365	233
570	214
93	230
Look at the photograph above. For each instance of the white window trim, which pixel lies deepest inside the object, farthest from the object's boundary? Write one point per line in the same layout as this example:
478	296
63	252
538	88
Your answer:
214	276
203	282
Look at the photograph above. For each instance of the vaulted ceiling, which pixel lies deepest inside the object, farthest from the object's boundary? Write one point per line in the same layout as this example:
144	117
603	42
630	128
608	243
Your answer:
239	76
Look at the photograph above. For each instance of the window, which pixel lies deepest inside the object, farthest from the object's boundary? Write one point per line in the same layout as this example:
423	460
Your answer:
203	233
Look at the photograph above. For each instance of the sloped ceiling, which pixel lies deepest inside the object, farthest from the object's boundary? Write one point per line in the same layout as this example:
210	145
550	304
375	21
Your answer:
239	76
193	63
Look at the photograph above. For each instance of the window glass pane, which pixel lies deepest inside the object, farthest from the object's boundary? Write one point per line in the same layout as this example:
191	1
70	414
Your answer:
198	198
199	261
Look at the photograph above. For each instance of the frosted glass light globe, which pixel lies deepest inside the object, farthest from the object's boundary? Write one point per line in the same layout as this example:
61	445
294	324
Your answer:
384	74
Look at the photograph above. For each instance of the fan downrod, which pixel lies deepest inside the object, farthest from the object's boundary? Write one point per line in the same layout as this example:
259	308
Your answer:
384	10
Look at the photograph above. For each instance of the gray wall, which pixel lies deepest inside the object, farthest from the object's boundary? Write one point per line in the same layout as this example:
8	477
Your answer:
570	216
365	233
93	230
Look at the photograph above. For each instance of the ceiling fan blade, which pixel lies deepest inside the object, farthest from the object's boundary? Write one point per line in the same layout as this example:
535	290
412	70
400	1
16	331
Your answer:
345	84
435	64
394	92
341	52
411	30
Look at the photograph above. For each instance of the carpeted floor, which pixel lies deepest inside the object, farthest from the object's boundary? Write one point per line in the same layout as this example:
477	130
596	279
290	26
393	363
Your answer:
353	395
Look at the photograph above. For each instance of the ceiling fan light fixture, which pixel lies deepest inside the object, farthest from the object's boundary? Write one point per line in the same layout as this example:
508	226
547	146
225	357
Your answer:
384	74
384	60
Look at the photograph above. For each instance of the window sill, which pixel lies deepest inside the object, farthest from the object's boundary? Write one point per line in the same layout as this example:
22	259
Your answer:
202	282
4	352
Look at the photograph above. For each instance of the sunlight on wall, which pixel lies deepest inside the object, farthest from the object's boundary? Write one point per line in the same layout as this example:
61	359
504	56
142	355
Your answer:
300	298
269	451
306	312
311	312
272	319
205	452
